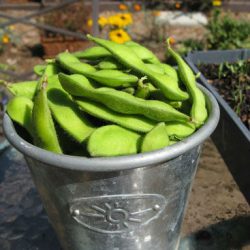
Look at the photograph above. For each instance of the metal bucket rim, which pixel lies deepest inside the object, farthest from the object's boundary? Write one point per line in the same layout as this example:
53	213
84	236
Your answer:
118	163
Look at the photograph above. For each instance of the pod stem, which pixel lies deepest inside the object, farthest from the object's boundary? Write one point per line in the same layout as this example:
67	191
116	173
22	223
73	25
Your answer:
44	82
140	82
168	43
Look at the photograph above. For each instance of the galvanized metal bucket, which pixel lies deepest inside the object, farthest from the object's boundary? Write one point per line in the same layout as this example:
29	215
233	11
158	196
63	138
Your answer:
129	202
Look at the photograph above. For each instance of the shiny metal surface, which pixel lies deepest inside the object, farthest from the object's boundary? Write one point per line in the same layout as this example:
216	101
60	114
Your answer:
126	203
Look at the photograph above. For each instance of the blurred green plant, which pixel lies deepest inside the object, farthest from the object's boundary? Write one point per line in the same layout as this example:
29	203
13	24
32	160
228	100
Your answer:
239	87
223	32
226	32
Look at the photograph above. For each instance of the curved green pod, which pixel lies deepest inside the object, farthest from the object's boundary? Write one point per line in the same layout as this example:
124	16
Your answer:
66	113
170	71
50	70
180	129
155	68
109	63
155	139
112	140
92	53
39	69
19	109
134	122
26	89
72	64
43	126
125	55
113	78
142	52
129	90
198	111
120	101
157	95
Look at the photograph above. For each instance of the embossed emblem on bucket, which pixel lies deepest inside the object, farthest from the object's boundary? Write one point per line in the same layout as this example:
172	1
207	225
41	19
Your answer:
117	213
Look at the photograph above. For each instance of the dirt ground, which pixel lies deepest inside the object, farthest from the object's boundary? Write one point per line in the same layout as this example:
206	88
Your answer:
217	215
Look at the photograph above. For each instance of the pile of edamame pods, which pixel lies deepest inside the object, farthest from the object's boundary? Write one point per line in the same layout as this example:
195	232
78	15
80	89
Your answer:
108	100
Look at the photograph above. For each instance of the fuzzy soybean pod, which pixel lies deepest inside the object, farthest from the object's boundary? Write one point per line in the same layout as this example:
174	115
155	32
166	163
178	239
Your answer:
66	113
157	95
180	130
72	64
134	122
109	63
26	89
155	139
170	71
19	109
92	53
142	52
44	130
155	68
129	90
119	101
113	140
113	78
198	111
50	70
39	69
127	57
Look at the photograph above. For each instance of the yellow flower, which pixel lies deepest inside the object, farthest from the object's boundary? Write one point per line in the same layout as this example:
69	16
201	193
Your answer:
90	22
119	36
216	3
125	19
137	7
114	21
102	21
5	39
123	6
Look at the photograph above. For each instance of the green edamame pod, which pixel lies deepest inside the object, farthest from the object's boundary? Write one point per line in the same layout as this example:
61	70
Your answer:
66	112
155	139
73	64
112	140
133	122
157	95
180	129
126	56
50	70
26	89
92	53
155	68
129	90
19	109
109	63
113	78
44	131
198	110
142	52
120	101
170	71
39	69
